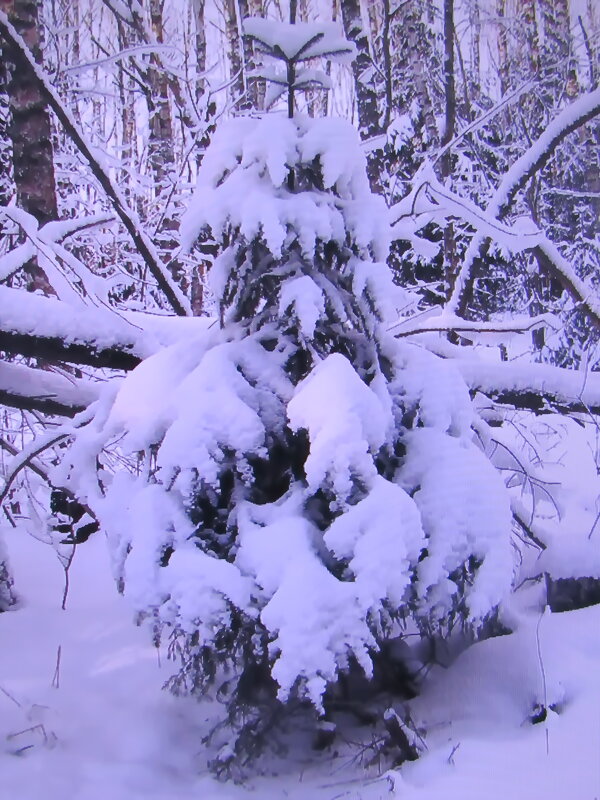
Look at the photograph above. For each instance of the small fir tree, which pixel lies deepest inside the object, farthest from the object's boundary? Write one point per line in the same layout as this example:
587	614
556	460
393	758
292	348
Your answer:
310	485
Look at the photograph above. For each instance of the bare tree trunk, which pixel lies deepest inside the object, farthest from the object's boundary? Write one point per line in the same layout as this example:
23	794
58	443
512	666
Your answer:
503	61
369	124
160	143
127	105
449	87
6	175
30	130
475	23
450	254
200	40
367	104
413	32
233	25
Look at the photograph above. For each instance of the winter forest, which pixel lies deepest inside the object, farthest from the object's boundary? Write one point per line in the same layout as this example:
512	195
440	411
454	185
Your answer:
300	397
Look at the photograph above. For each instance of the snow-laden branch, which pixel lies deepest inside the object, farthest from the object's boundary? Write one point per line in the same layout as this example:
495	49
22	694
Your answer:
541	388
41	327
39	390
431	201
41	443
53	257
470	328
535	158
140	49
125	213
555	264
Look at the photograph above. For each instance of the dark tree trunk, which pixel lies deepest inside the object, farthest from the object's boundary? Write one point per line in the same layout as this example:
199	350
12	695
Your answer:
369	123
450	252
30	130
236	52
6	173
367	104
160	143
198	11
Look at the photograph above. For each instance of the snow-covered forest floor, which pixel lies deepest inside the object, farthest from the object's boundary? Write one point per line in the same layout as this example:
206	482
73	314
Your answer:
99	726
314	380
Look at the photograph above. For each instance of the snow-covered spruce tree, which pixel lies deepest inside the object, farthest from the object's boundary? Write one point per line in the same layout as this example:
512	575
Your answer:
308	486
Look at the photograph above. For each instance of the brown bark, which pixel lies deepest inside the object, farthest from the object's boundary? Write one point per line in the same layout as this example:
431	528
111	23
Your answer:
237	89
6	176
30	126
56	349
29	131
160	142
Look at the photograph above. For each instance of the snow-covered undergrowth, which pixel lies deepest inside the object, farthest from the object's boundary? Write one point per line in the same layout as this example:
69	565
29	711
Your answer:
100	726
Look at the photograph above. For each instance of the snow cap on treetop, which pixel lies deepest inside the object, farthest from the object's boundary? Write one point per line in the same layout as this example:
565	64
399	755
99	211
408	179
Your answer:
300	41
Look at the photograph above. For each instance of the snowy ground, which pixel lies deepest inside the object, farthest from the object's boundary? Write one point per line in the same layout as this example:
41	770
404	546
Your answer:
107	730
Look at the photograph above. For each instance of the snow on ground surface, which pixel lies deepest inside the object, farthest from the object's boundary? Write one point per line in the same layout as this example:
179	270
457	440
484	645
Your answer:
108	731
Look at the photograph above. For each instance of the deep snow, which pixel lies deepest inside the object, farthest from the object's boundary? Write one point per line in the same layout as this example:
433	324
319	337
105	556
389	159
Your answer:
109	731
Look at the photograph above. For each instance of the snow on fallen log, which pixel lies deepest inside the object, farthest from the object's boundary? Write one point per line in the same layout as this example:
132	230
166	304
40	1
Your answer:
40	390
42	327
538	387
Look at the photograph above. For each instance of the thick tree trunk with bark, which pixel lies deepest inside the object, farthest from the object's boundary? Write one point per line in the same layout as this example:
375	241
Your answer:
200	45
30	125
29	130
450	252
235	48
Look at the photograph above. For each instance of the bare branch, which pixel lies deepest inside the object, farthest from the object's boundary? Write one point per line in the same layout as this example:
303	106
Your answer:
40	444
534	159
127	216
